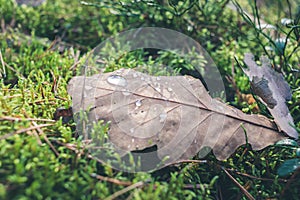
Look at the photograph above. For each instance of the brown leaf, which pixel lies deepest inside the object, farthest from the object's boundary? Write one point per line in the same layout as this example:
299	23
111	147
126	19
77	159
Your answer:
274	91
173	112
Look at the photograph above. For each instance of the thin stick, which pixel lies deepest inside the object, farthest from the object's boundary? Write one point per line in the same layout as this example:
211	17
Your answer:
50	101
9	67
9	118
246	193
254	177
3	25
35	133
123	191
188	161
24	130
41	132
111	180
3	65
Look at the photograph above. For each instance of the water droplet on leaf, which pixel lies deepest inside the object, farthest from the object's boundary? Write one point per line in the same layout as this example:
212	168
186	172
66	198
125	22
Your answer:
158	89
126	92
117	80
87	87
162	117
138	103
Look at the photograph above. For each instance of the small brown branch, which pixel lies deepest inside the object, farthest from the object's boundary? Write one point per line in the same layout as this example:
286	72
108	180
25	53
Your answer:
2	62
24	130
123	191
41	132
246	193
54	84
35	133
14	96
9	118
188	161
61	98
75	65
254	177
50	101
111	180
49	143
76	58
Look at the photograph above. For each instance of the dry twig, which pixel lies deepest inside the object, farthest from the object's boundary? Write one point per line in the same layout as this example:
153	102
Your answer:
111	180
246	193
41	132
3	65
24	130
123	191
254	177
10	118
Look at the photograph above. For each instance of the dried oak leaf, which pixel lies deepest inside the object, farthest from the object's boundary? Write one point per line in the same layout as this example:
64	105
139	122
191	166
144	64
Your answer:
174	113
273	90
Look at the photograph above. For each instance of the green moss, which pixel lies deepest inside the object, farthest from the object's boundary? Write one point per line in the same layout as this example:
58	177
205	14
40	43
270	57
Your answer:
33	84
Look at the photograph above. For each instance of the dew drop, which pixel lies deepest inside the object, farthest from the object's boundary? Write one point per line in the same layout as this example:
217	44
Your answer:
132	140
117	80
142	78
138	103
126	92
156	84
84	94
170	89
119	71
135	75
88	87
132	131
162	117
